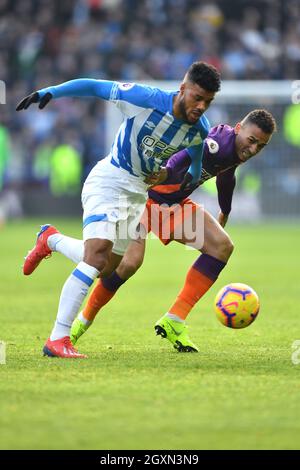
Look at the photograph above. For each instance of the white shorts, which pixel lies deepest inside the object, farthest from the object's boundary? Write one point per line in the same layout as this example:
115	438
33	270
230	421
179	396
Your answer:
113	202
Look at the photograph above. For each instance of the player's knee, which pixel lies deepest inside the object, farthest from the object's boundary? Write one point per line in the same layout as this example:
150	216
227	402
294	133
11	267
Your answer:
230	247
129	267
97	260
226	247
96	255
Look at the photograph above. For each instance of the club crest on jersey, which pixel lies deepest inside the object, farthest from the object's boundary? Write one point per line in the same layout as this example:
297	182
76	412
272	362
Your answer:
150	125
213	146
126	86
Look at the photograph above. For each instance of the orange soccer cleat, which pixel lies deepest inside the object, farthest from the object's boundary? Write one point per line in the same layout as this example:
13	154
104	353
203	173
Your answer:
41	249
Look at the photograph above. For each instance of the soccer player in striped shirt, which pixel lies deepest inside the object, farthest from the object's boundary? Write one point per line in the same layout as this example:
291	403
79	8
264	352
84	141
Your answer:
157	124
225	149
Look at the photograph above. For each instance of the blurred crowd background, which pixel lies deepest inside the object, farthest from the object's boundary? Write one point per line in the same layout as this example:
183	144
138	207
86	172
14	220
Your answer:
45	42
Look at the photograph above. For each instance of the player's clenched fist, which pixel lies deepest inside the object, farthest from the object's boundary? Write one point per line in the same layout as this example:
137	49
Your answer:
34	98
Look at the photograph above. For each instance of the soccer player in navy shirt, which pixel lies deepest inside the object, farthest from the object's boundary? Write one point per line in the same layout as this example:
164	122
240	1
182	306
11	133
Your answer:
157	124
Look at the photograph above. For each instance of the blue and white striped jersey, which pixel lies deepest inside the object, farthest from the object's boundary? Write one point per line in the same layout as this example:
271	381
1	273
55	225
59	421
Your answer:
150	133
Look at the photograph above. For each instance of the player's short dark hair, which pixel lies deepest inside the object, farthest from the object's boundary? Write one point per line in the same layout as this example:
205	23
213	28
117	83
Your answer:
204	75
262	119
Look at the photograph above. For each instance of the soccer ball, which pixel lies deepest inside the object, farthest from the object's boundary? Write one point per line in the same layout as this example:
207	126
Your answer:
236	305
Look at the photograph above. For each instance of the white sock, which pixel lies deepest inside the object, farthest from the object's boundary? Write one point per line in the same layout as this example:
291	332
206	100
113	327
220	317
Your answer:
174	317
84	320
72	248
72	295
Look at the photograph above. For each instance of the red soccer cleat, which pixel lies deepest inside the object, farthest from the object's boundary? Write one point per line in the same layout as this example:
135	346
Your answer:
40	251
62	348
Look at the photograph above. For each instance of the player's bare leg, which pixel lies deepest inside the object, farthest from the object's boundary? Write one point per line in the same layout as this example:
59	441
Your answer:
216	250
117	271
96	256
217	242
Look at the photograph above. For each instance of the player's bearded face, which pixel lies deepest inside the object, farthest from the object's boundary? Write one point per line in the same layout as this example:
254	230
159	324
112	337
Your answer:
250	140
193	102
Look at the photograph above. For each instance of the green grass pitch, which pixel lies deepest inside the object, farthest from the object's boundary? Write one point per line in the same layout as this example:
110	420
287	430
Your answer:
135	392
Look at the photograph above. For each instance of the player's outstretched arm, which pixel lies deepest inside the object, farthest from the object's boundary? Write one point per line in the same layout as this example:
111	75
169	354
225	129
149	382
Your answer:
72	88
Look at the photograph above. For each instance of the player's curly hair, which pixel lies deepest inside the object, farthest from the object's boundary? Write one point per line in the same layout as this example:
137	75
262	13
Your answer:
262	119
204	75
